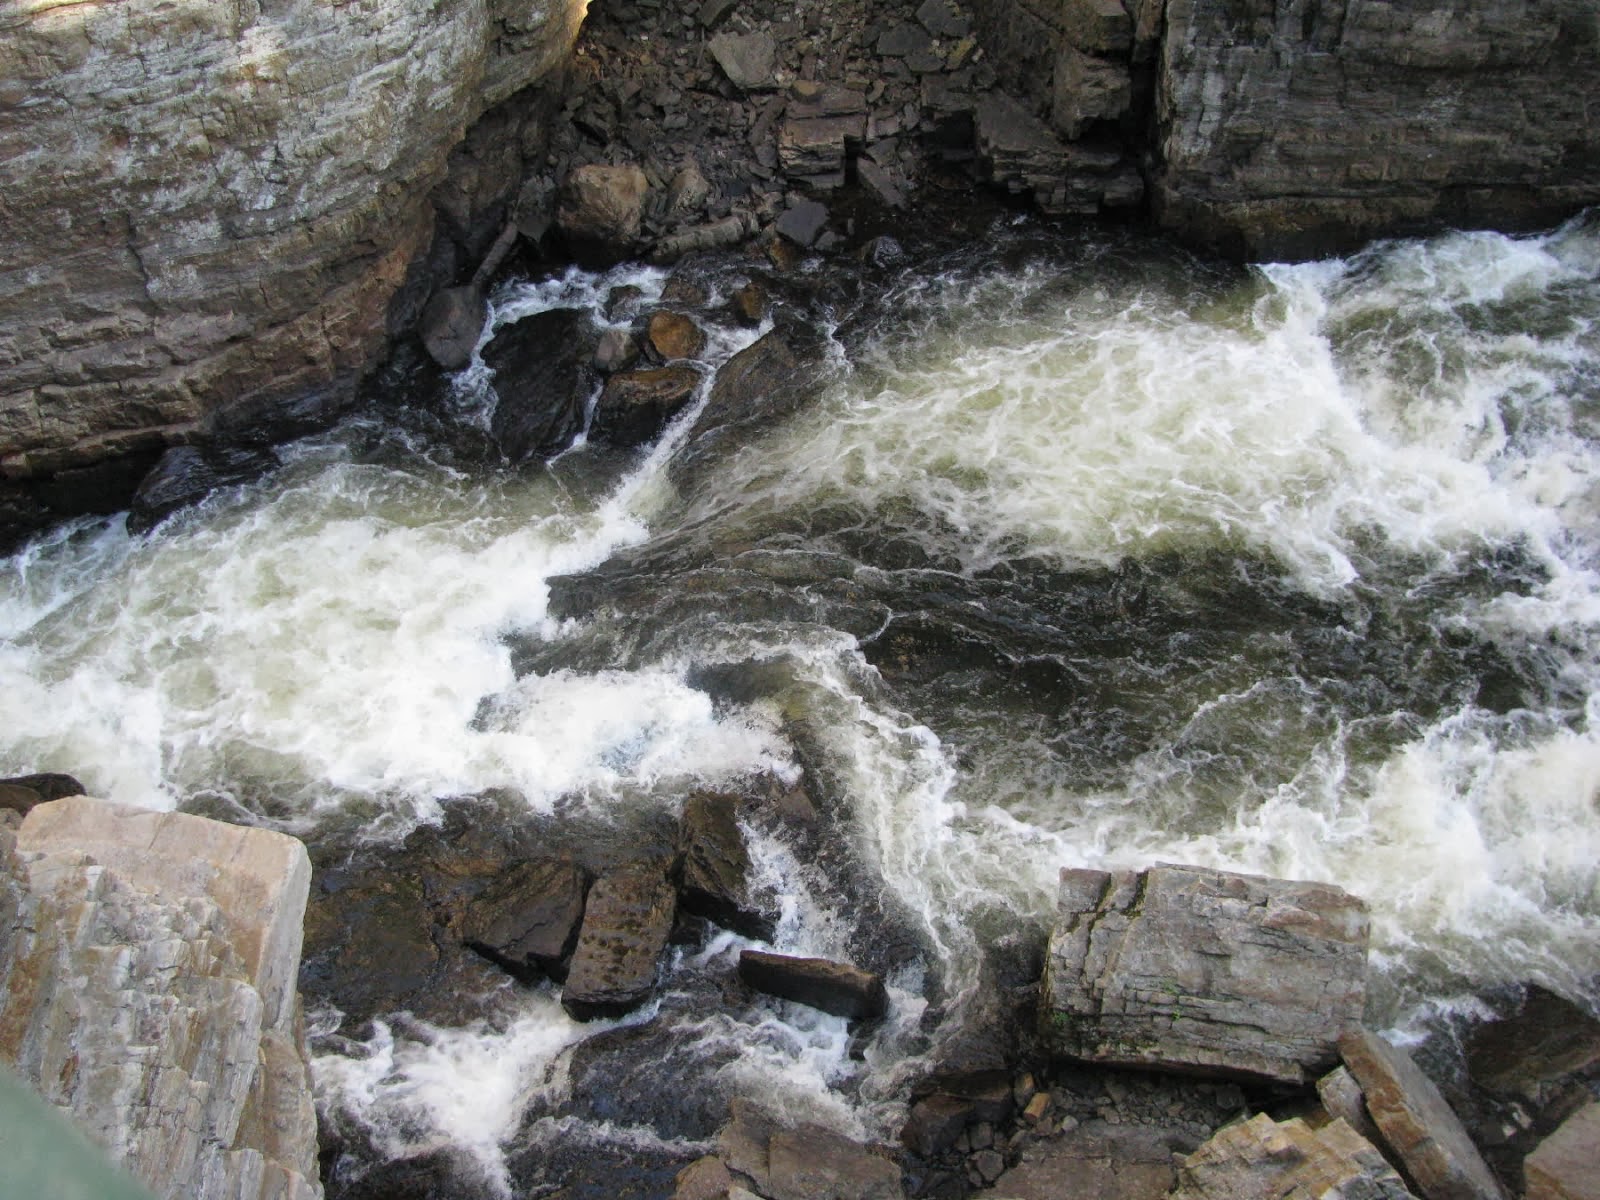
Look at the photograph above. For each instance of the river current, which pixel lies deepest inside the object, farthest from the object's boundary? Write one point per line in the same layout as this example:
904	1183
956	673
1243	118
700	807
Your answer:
1087	553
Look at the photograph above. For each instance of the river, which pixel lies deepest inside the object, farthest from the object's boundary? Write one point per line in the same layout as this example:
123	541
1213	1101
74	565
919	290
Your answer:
1088	552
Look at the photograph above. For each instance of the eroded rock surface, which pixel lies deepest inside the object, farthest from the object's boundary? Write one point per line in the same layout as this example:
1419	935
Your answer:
625	930
1566	1166
1263	1159
147	988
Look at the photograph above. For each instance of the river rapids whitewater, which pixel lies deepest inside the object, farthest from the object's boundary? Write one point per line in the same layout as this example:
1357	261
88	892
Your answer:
1087	553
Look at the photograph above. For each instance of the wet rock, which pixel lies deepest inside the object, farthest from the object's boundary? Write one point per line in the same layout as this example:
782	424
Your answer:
617	350
802	222
1545	1040
805	1162
705	1178
543	381
1261	1159
186	475
22	793
1416	1123
527	919
685	289
1096	1159
625	929
716	868
1197	970
147	989
451	324
834	987
623	302
635	406
882	251
672	335
1566	1166
934	1123
750	304
600	211
746	59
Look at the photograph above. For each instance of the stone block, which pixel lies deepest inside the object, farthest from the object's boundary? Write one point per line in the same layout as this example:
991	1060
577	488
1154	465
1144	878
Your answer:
1566	1166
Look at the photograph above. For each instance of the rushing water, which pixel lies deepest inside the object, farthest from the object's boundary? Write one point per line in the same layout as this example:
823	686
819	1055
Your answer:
1088	553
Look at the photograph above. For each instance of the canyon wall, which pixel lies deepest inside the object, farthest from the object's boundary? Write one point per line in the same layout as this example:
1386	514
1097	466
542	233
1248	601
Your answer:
210	205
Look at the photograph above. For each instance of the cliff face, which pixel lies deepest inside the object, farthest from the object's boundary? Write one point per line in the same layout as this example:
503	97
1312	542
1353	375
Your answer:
1289	128
209	206
147	988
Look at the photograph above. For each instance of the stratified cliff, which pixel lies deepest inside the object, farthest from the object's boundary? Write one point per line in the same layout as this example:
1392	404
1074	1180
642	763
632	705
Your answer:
209	205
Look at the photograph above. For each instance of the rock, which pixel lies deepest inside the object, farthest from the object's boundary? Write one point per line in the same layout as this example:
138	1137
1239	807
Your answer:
805	1162
451	324
1341	1098
1022	155
714	235
1182	968
834	987
802	222
750	304
625	929
1096	1159
1416	1123
230	217
1545	1040
706	1178
903	40
635	406
714	12
746	59
623	302
880	184
1566	1166
683	288
934	1123
1098	26
186	475
617	350
688	192
816	147
23	793
1261	1159
944	18
543	381
148	990
1088	89
527	919
716	868
672	335
600	212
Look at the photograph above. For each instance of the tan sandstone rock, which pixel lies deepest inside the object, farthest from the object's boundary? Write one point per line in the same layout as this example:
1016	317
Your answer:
1566	1166
1262	1159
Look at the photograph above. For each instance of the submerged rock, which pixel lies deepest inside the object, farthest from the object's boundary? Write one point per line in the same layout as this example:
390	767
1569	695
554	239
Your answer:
148	989
625	930
186	475
834	987
1196	970
635	406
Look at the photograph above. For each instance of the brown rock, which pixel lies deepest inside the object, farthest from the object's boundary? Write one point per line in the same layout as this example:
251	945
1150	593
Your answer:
1546	1039
1105	1161
1566	1166
1198	970
21	793
1261	1159
527	920
1341	1098
1416	1123
635	406
816	146
934	1123
600	210
834	987
750	304
625	929
706	1178
674	336
716	868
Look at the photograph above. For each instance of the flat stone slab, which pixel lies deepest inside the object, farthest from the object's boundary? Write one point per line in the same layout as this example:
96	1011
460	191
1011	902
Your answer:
1106	1162
625	929
1416	1123
1262	1159
528	918
834	987
1566	1166
1189	969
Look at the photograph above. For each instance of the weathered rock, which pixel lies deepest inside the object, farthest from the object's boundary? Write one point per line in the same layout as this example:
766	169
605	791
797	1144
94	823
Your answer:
834	987
1096	1159
600	211
22	793
617	350
750	304
944	18
716	868
635	406
1341	1098
688	192
625	929
815	148
543	381
527	920
1088	89
934	1123
714	235
746	59
148	989
202	212
1416	1123
672	335
451	324
802	222
1190	969
1262	1159
188	474
1545	1040
1566	1166
706	1178
805	1162
903	41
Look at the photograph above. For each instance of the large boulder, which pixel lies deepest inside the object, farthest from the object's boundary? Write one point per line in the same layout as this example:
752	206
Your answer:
715	874
211	205
635	406
834	987
805	1161
527	919
625	930
543	379
1182	968
147	988
599	212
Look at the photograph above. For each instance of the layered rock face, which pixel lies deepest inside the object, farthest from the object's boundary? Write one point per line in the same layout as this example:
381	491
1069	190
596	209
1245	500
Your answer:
147	989
209	207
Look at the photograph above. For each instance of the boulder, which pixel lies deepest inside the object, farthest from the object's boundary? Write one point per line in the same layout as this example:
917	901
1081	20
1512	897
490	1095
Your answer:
834	987
451	324
1566	1166
1183	968
716	868
934	1123
944	18
635	406
1415	1122
802	222
804	1162
186	475
1263	1159
543	383
527	920
706	1178
672	335
1545	1040
617	350
623	302
147	989
22	793
746	59
688	192
625	929
599	212
750	304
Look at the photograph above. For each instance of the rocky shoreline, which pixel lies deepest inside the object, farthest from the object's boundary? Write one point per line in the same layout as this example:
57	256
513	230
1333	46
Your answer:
1181	1043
